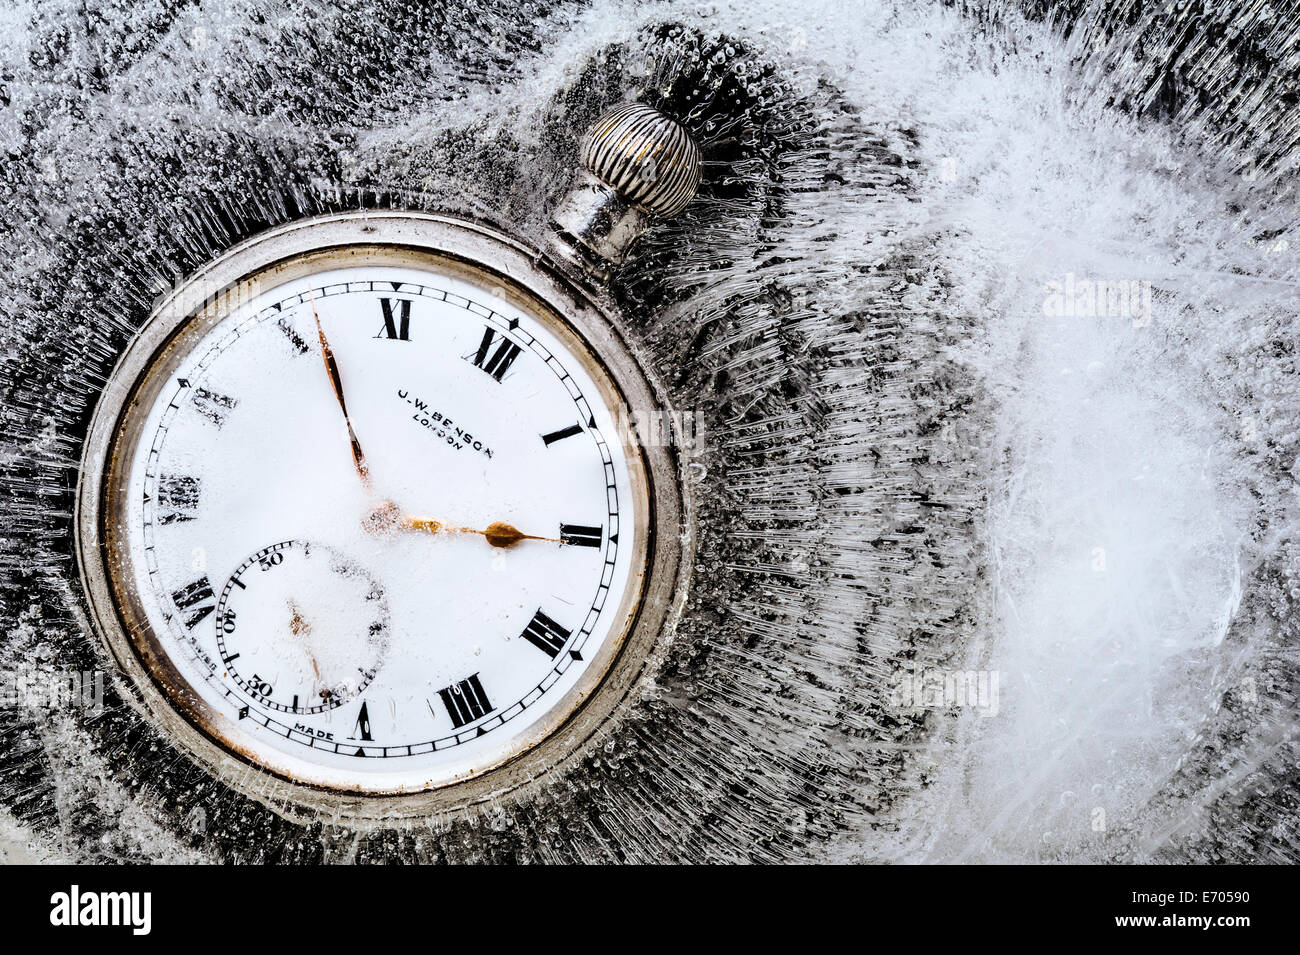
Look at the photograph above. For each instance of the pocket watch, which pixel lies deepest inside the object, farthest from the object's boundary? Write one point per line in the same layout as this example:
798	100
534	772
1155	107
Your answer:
362	517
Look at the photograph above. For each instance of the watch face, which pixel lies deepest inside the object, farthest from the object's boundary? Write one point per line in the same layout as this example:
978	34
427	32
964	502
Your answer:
375	524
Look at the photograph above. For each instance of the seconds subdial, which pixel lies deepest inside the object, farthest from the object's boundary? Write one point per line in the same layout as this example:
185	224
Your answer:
301	627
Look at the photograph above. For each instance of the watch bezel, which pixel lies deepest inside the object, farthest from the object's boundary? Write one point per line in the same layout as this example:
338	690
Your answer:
222	285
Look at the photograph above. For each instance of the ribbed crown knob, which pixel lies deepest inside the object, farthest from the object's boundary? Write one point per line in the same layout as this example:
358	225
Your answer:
636	164
647	158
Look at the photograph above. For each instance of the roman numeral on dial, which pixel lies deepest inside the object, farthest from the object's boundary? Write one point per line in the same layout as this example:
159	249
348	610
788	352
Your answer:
299	344
465	701
213	405
569	432
195	601
362	729
495	362
579	535
545	634
397	320
178	498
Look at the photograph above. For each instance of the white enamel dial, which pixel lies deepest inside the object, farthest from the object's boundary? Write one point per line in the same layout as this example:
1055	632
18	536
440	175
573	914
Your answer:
380	522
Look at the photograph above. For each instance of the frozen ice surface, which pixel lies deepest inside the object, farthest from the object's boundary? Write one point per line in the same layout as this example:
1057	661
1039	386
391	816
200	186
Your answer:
927	441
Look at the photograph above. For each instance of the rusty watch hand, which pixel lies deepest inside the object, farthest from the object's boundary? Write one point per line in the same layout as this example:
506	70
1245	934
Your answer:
498	533
332	369
300	627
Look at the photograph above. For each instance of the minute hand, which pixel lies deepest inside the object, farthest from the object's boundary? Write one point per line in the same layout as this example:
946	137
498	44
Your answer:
332	369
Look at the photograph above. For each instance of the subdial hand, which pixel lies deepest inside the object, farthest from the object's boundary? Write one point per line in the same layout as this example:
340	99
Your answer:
300	627
332	369
498	533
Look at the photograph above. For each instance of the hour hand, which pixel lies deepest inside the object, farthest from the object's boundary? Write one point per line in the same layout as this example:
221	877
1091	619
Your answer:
498	533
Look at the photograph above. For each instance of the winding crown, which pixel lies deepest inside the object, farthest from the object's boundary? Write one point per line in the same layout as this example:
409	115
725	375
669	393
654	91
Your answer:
647	158
636	163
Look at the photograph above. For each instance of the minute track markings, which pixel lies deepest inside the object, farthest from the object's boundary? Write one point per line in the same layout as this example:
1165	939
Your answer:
515	329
